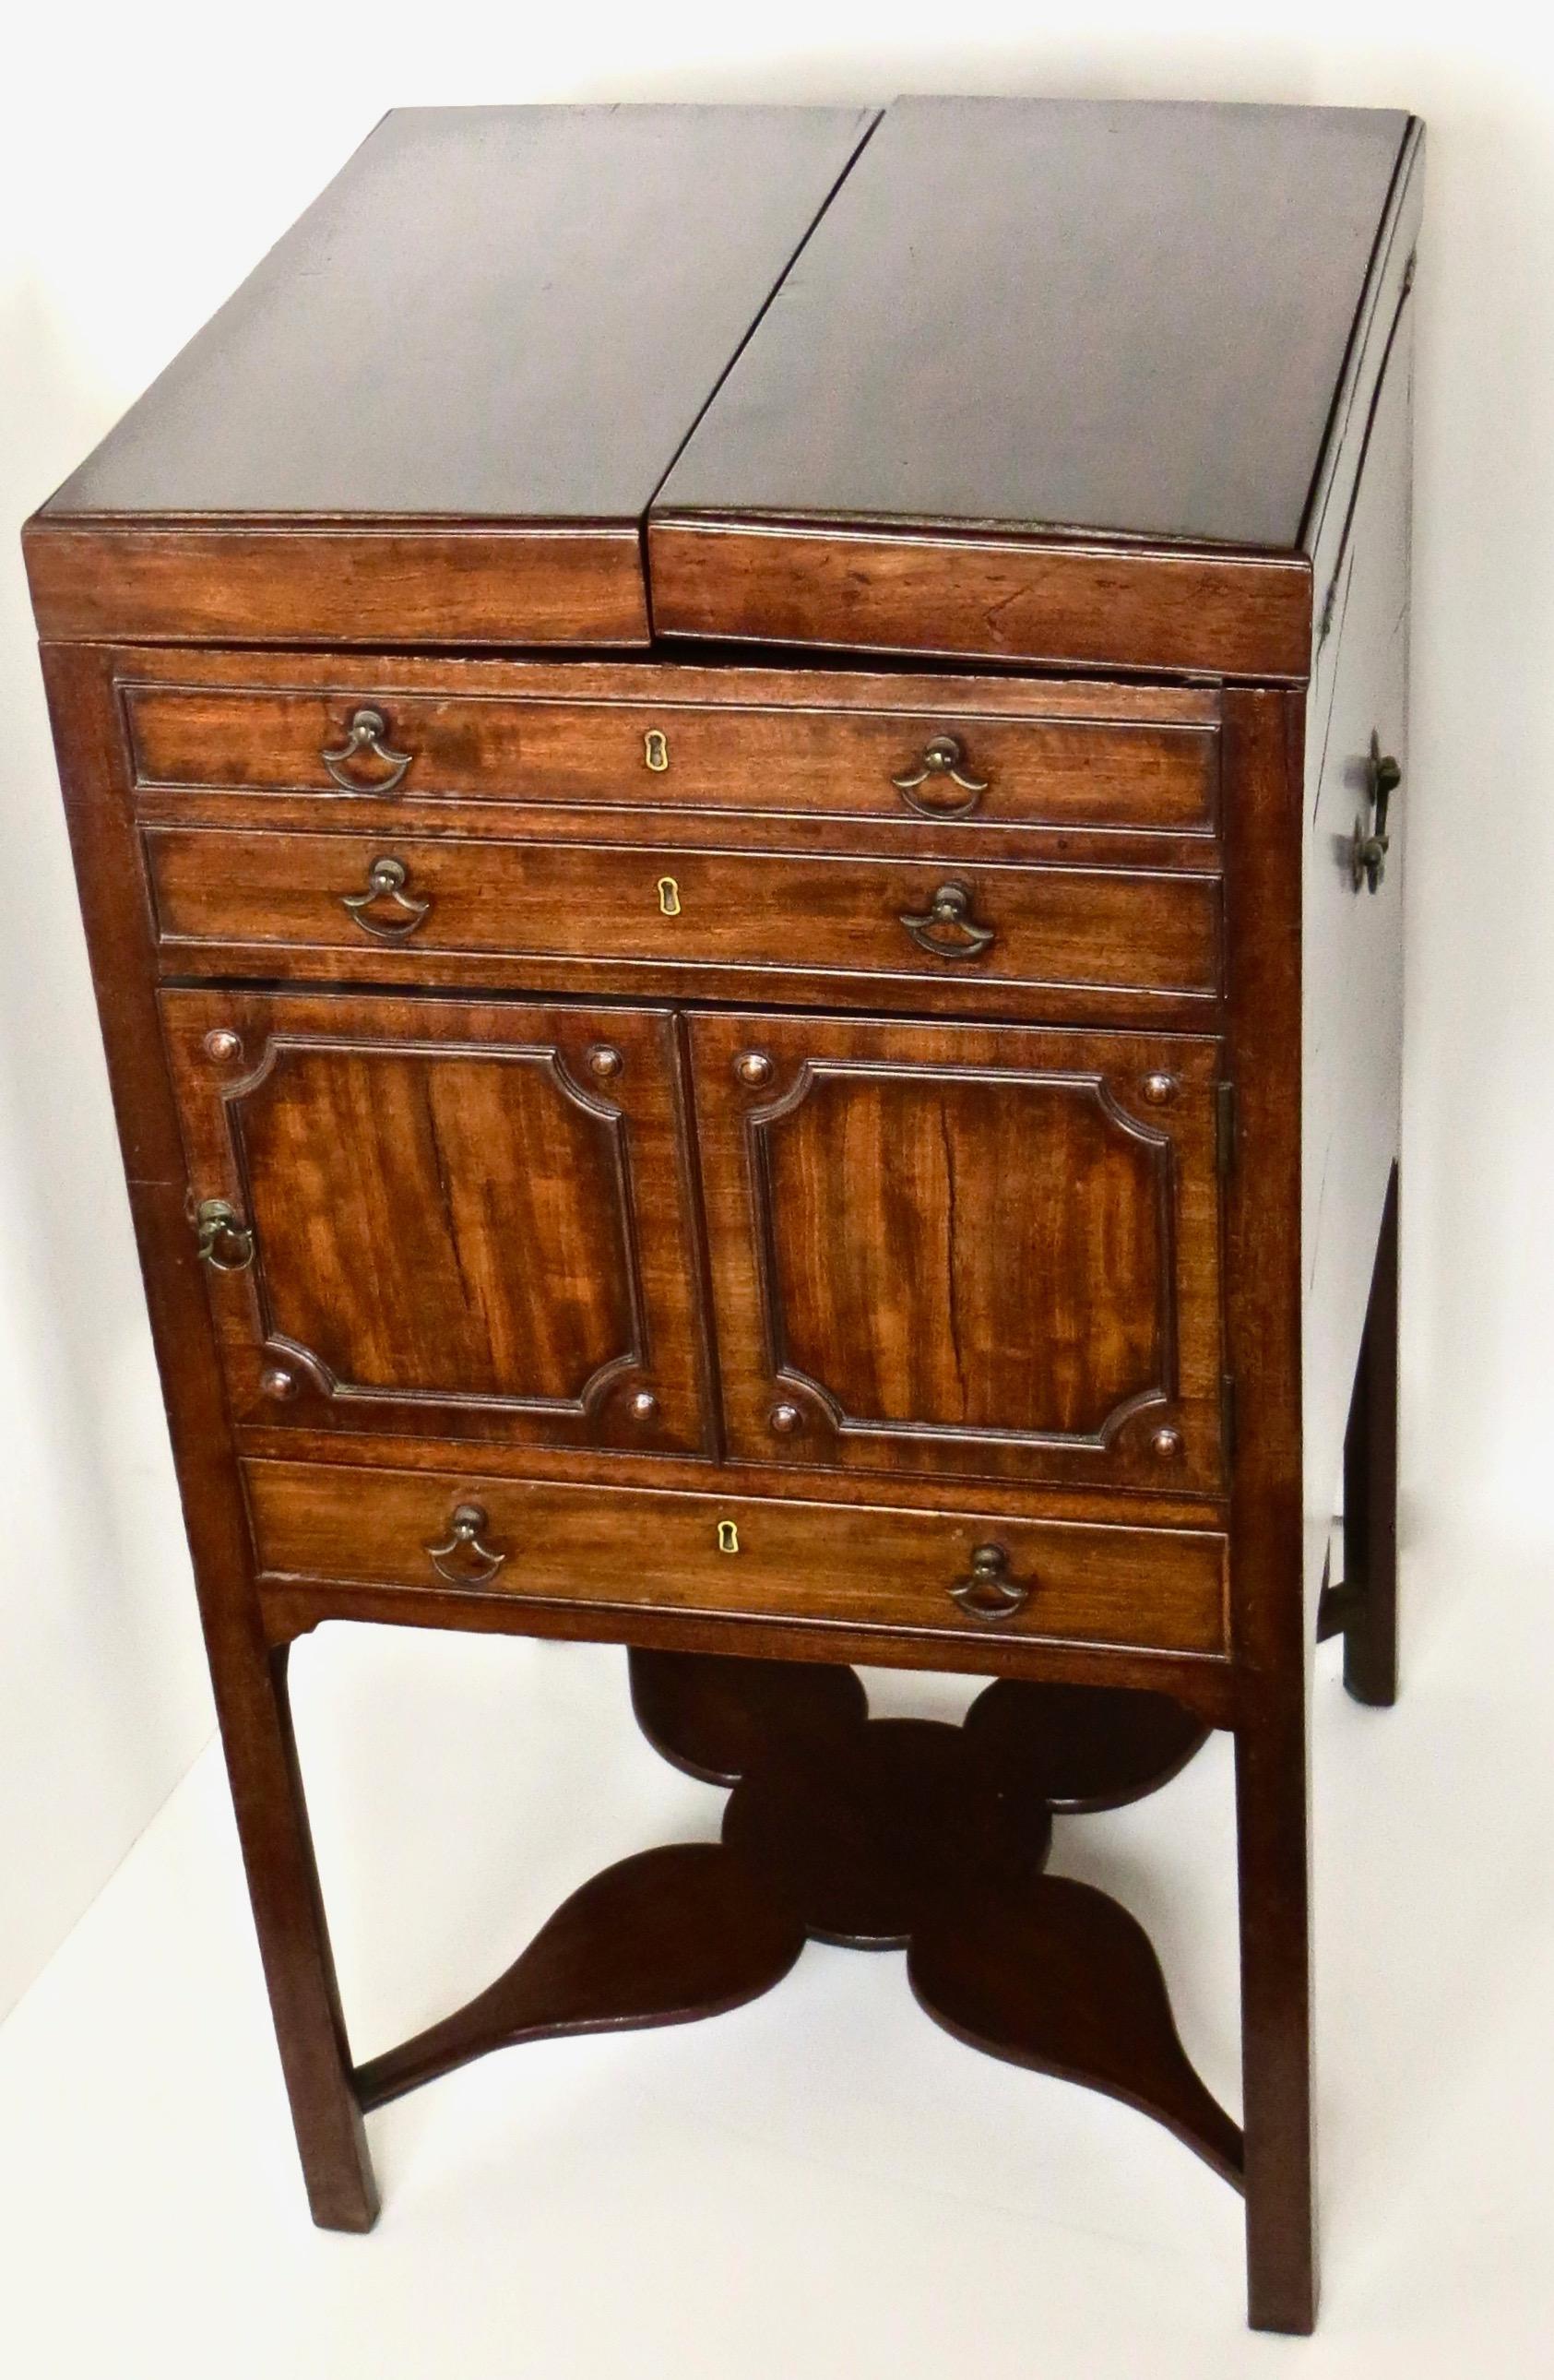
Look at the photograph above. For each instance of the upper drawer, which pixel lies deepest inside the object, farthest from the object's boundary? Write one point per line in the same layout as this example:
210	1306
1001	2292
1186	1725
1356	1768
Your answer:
1092	928
958	761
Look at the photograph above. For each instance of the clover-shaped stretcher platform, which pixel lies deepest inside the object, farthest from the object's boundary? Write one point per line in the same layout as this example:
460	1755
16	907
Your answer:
879	1834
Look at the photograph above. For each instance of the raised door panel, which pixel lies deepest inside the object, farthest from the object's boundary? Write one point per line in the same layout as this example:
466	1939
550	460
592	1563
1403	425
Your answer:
469	1221
988	1251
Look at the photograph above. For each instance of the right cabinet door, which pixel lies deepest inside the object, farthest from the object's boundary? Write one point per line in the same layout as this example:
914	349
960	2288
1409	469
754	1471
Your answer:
975	1251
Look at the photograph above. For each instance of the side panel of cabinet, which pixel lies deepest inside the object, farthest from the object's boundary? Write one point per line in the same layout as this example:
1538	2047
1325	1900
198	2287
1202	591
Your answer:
984	1251
469	1221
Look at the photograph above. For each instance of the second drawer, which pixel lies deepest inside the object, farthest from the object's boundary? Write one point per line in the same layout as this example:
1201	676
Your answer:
1086	927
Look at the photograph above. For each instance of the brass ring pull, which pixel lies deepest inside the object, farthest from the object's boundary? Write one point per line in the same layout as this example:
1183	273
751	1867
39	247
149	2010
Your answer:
949	913
386	881
365	733
989	1592
1368	857
224	1242
479	1563
941	757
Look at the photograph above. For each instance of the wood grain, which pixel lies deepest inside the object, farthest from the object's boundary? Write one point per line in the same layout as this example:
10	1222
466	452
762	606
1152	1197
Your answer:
715	682
460	1227
870	1833
715	1719
1265	1344
1068	1983
981	1252
877	1834
248	1675
452	337
1083	1748
1214	1687
763	912
1052	602
1018	1241
245	581
1016	400
668	1936
791	753
1057	312
624	1550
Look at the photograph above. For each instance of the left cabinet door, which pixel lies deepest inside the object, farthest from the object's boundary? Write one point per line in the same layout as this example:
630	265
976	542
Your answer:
439	1217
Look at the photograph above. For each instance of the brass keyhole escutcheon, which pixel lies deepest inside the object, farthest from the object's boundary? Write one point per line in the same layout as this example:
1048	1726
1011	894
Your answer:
728	1537
655	749
669	896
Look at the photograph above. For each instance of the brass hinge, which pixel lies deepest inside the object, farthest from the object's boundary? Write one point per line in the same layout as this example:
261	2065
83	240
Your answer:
1225	1127
1226	1414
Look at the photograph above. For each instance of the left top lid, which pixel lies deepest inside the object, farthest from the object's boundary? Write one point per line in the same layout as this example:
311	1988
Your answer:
438	410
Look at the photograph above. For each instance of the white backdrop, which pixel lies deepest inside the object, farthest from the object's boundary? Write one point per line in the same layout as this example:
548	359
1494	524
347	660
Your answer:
148	156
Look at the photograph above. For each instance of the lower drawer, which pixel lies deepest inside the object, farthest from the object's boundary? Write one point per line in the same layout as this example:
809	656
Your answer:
905	919
865	1565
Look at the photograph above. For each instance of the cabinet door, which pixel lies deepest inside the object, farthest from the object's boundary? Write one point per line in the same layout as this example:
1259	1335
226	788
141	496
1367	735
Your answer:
988	1251
446	1219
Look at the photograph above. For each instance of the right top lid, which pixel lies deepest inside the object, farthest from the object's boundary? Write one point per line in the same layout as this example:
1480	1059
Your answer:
1125	322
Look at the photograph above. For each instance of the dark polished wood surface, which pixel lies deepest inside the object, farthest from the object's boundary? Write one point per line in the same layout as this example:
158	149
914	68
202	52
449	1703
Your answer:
873	1834
973	1251
1060	927
469	1222
492	313
639	735
801	1165
496	327
1040	600
815	1565
1107	316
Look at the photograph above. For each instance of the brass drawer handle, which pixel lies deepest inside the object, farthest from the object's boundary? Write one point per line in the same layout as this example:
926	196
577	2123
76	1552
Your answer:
224	1242
949	913
941	757
365	733
461	1559
386	881
989	1592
